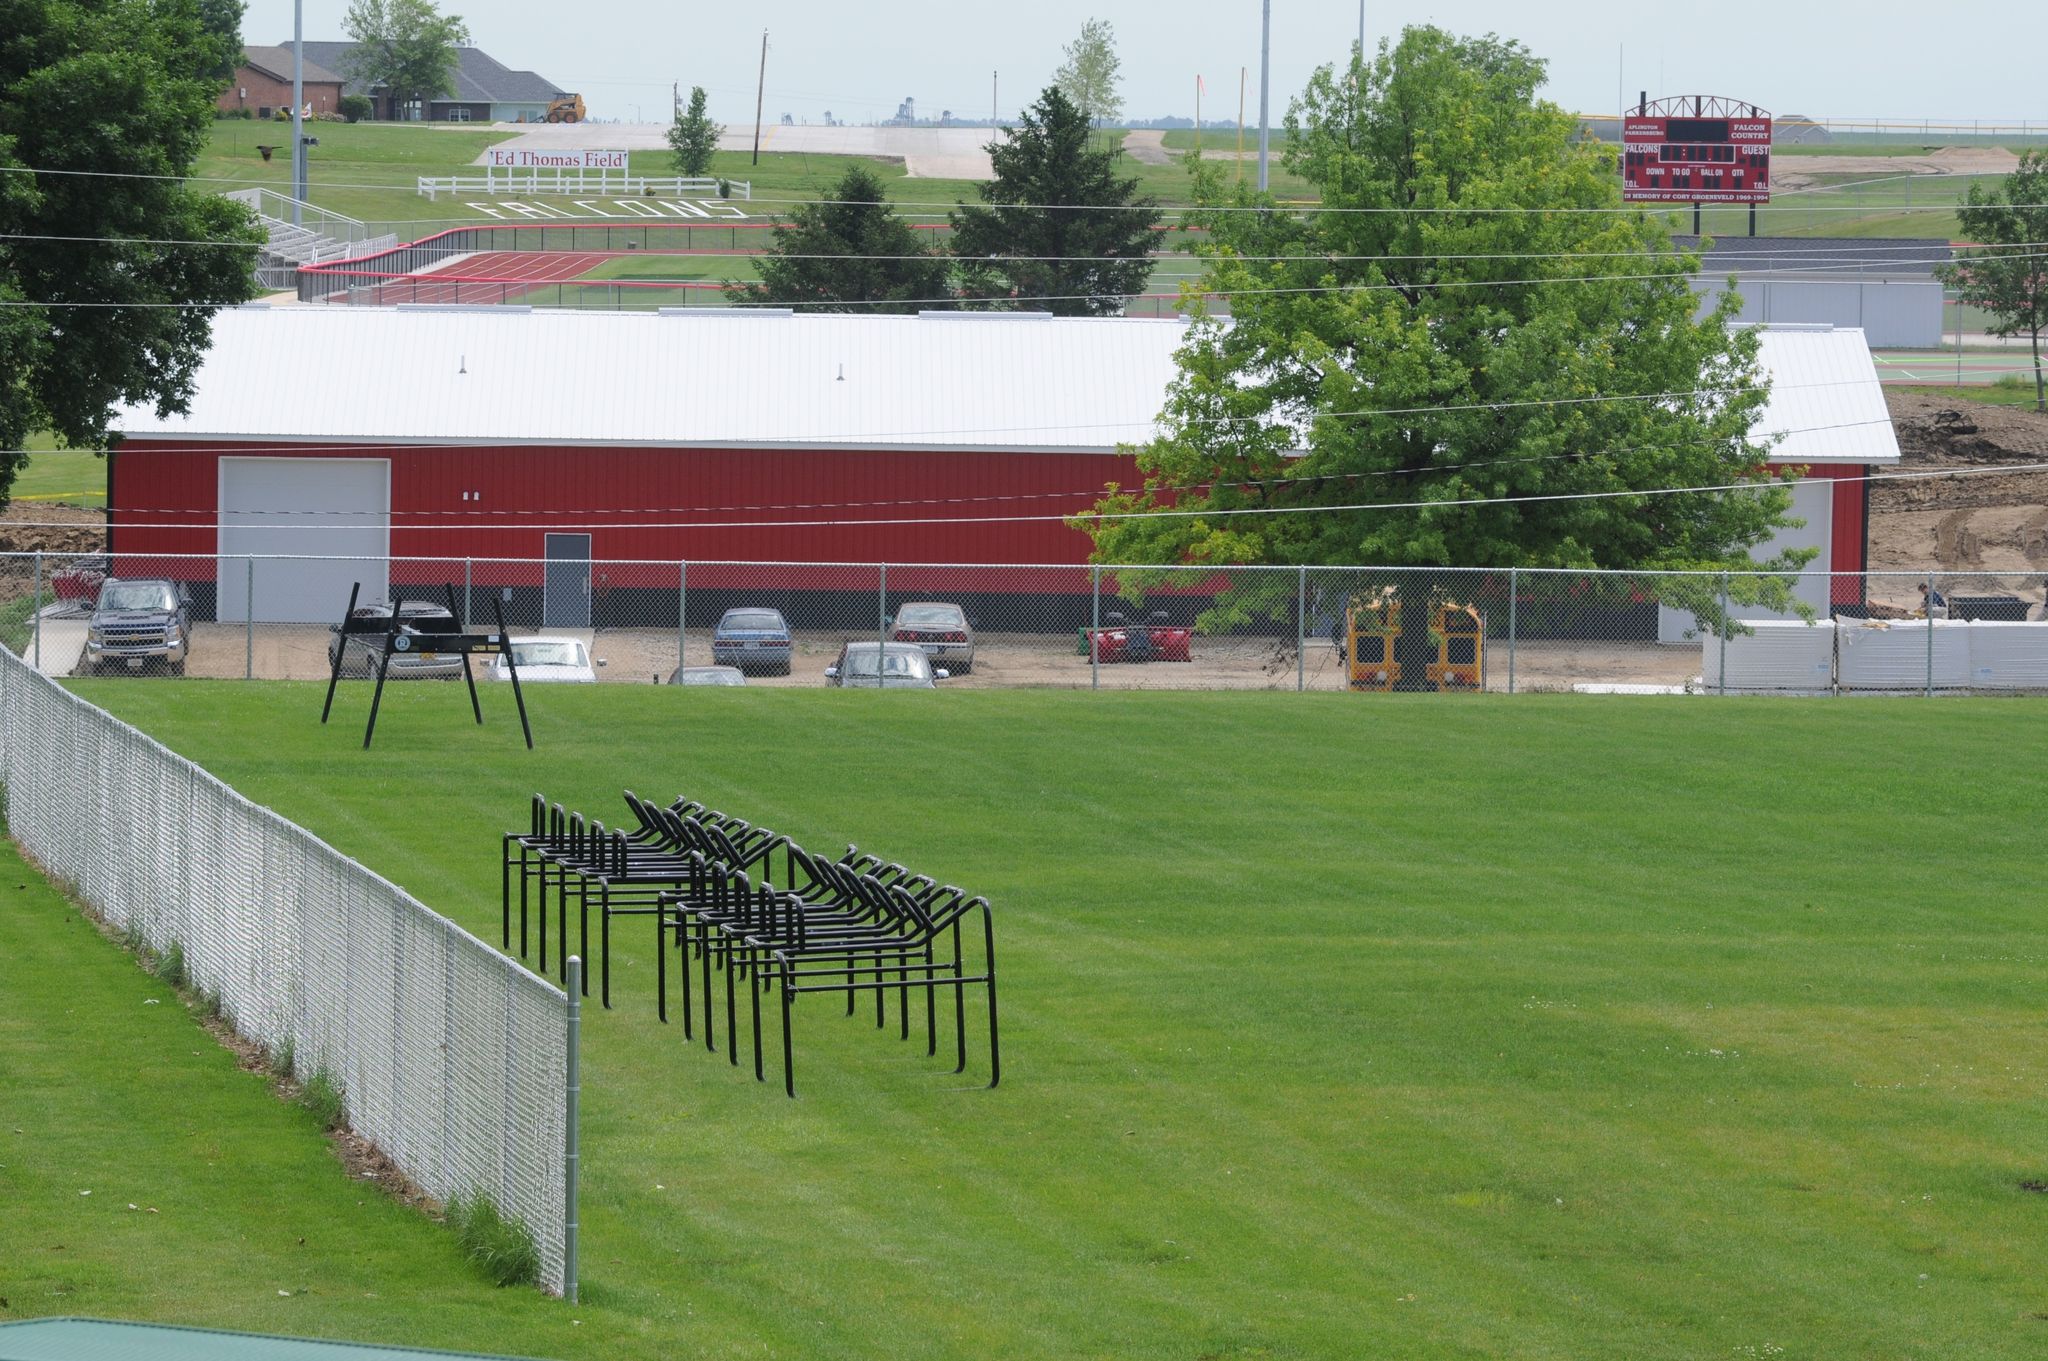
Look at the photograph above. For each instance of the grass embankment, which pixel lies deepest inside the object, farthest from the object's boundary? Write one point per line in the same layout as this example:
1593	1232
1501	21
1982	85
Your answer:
147	1175
1334	1026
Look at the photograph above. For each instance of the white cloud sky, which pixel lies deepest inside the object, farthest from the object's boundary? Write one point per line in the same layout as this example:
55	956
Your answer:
1963	60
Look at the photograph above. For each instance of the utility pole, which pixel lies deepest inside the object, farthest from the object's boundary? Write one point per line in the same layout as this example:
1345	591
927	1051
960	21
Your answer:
759	88
1265	74
995	84
298	109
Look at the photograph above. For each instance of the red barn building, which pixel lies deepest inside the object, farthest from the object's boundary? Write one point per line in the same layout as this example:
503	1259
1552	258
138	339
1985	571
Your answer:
574	456
707	434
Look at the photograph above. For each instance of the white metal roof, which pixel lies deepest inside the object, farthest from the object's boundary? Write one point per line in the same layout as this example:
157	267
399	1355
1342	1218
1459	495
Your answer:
723	378
696	377
1826	401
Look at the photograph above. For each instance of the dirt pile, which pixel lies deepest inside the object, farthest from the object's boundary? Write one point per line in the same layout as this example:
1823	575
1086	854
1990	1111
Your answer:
1988	522
29	526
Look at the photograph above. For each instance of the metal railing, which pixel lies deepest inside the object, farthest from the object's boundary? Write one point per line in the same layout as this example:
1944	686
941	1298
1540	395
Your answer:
601	183
1508	630
449	1056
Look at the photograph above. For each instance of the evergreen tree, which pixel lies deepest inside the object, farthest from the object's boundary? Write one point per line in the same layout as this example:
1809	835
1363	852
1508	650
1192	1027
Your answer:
1062	231
852	254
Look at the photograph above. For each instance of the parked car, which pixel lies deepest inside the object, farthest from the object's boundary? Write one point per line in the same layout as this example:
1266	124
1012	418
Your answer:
708	675
752	638
359	652
887	666
941	629
139	625
1123	641
547	659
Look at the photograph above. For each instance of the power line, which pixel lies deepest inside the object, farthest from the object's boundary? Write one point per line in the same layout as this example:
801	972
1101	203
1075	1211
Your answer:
1763	484
1240	484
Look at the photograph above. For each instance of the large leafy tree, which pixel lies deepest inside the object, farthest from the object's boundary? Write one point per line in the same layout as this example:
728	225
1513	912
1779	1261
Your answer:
693	137
221	21
2011	282
404	47
1469	316
850	254
1091	73
110	265
1060	231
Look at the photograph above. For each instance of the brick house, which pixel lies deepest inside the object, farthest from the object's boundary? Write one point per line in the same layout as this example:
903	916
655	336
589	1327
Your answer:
263	84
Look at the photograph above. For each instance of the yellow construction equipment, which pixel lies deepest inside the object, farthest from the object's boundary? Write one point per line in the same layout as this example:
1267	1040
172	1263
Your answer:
1371	625
566	108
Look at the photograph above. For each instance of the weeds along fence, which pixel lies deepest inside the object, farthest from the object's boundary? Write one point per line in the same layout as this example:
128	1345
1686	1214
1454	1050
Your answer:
1082	627
449	1056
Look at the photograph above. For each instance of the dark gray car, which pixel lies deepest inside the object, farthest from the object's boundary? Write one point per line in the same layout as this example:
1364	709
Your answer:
139	626
360	655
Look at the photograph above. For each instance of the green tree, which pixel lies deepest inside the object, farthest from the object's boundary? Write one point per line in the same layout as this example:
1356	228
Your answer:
406	48
1062	231
1467	317
110	265
852	254
693	136
2010	283
1091	72
221	22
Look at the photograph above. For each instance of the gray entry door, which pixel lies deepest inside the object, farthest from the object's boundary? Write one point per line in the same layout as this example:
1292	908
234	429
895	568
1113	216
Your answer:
566	604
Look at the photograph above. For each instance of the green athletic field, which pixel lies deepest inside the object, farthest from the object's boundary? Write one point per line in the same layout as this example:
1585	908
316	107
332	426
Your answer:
1334	1026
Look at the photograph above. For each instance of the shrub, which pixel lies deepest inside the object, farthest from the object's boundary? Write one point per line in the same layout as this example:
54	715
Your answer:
354	108
502	1247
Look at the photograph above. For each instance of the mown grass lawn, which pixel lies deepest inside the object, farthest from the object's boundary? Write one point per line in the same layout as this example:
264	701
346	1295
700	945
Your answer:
1334	1026
75	477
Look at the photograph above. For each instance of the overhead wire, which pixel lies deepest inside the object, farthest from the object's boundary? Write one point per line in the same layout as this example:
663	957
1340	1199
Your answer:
1164	514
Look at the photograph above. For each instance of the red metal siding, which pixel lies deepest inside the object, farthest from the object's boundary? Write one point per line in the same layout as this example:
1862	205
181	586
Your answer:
745	505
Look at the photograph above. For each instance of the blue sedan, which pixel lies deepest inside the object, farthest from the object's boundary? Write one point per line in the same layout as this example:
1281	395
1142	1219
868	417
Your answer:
752	639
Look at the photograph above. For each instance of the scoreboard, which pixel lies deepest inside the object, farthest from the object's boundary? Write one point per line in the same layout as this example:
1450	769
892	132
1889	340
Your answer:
1700	157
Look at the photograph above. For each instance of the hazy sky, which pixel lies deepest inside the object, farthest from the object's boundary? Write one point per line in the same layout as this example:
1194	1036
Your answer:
1885	58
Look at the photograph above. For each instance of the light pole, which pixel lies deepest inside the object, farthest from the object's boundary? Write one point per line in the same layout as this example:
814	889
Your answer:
1265	71
298	109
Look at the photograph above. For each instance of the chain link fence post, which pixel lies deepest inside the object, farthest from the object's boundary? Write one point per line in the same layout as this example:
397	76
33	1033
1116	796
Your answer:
1928	610
1721	681
682	613
571	1099
1094	625
38	616
249	621
1301	631
1514	623
468	585
881	622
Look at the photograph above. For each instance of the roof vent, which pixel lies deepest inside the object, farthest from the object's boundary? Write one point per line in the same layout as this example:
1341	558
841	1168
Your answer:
984	316
725	311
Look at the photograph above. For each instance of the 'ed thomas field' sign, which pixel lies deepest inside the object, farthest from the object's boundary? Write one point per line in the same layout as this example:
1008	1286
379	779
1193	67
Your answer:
524	158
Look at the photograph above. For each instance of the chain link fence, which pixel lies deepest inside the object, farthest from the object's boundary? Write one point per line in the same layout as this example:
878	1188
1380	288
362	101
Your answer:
449	1056
1081	627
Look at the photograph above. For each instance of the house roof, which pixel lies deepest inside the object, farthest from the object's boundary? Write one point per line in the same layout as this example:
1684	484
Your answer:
1846	256
479	77
277	62
696	377
705	377
1826	405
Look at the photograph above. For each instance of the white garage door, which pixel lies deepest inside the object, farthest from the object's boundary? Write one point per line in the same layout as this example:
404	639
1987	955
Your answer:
315	526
